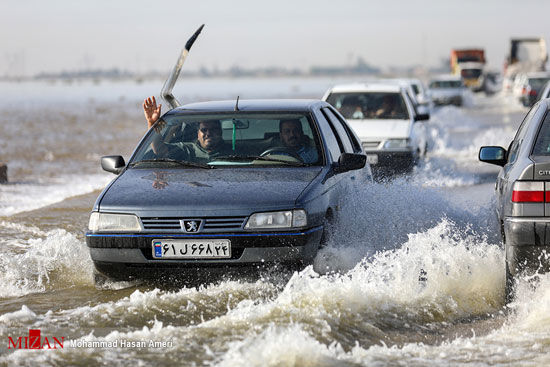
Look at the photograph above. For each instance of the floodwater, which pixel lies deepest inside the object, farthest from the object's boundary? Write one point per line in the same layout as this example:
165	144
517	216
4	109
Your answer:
360	304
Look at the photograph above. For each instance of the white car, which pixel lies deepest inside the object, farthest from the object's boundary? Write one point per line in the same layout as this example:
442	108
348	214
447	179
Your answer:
446	90
385	120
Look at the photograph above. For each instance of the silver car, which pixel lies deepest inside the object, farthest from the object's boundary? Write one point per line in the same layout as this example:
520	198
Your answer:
447	90
523	195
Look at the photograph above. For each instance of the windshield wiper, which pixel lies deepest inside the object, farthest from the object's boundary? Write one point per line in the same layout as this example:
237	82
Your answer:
174	161
241	158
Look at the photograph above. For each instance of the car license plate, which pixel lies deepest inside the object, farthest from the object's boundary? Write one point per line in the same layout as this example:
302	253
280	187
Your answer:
372	158
191	249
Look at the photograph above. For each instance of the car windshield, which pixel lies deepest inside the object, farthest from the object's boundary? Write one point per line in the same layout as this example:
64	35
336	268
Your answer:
370	105
446	84
234	139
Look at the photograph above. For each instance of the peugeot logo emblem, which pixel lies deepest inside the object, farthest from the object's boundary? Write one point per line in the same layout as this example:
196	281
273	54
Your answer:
190	226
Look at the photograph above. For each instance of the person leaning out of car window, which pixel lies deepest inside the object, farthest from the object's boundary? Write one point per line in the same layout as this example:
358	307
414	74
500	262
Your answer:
292	136
209	143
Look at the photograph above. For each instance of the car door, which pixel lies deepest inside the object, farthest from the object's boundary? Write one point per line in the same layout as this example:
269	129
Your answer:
510	171
348	142
417	128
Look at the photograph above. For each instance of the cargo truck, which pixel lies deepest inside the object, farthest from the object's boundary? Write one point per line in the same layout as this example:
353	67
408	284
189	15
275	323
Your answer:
470	65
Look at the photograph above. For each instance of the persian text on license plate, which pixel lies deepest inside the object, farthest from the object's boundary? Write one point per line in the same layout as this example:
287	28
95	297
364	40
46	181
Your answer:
191	249
372	158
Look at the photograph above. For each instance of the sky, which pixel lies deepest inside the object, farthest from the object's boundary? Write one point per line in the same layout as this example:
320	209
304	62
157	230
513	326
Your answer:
55	35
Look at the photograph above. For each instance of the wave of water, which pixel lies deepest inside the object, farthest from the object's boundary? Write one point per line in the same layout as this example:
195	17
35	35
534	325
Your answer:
41	261
372	287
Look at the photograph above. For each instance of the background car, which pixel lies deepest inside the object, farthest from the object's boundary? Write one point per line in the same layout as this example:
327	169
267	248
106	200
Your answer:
393	139
259	203
416	92
447	90
532	85
523	194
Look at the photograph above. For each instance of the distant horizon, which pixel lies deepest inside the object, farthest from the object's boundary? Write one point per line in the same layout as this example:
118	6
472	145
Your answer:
138	36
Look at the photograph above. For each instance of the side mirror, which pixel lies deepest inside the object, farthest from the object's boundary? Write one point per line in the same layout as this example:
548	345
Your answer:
493	155
422	117
113	163
350	162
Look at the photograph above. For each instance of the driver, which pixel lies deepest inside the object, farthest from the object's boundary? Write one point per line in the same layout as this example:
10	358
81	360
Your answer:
209	143
292	136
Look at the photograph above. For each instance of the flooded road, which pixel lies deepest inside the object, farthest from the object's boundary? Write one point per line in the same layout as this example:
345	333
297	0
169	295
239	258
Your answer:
413	274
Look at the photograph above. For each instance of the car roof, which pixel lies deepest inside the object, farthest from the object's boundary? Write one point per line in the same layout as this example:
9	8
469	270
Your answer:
251	105
367	87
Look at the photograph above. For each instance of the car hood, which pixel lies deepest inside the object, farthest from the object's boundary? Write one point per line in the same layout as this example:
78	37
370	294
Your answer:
446	92
221	190
381	128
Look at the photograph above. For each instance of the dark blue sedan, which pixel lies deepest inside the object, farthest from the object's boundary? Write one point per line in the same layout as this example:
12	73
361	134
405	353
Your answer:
218	185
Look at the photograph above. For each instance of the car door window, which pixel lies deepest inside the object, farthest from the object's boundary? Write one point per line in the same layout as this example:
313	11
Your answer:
334	145
337	127
518	139
355	143
542	144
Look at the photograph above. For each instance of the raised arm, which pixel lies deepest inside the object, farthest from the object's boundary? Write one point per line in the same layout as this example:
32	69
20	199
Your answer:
151	111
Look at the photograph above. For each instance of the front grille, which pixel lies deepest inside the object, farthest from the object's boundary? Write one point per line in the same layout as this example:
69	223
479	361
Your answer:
211	224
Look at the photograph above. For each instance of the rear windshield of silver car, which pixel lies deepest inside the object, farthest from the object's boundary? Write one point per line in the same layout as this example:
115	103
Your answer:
370	105
238	139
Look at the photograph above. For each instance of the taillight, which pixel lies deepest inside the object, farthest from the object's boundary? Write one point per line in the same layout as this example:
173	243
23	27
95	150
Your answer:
529	192
532	92
523	90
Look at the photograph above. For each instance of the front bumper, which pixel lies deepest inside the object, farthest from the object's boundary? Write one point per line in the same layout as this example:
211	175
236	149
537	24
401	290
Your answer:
527	244
124	256
399	161
453	100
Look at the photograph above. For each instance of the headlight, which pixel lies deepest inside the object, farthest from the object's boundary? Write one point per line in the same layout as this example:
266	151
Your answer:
273	220
396	144
105	222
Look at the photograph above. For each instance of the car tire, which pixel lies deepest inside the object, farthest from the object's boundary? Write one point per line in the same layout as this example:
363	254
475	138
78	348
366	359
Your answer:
99	279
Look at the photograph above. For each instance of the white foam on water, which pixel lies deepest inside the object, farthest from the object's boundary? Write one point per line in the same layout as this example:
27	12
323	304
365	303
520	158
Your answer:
521	341
281	346
382	216
447	121
385	289
25	196
35	265
25	314
186	306
441	172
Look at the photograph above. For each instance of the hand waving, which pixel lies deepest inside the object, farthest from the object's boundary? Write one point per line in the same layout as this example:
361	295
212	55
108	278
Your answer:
151	111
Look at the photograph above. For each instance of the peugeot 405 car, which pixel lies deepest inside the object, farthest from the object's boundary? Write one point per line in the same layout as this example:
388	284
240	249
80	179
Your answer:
386	121
523	195
259	200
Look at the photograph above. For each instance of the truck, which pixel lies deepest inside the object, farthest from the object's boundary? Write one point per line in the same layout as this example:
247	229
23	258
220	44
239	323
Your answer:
469	63
526	55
